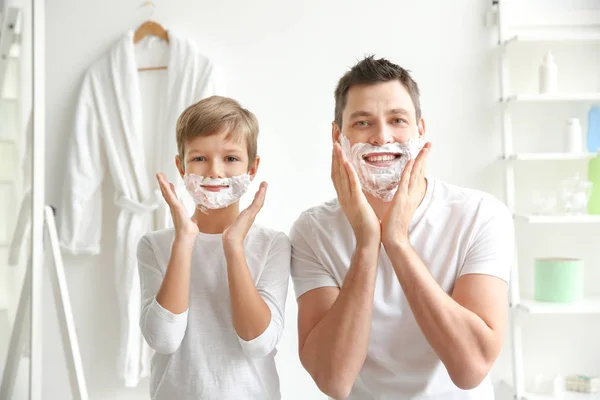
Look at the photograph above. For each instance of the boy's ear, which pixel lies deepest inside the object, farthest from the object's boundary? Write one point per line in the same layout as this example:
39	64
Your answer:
254	167
180	165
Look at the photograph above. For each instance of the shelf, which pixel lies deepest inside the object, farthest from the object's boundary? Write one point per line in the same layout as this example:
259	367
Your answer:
563	396
585	306
553	97
558	219
506	391
549	156
553	36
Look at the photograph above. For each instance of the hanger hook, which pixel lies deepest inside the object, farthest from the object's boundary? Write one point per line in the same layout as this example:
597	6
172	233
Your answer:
149	4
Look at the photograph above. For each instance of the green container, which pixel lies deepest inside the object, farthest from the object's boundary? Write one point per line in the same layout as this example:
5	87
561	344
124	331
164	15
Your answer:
594	177
558	280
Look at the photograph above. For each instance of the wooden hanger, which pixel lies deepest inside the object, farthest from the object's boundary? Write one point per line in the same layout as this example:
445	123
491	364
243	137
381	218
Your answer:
151	28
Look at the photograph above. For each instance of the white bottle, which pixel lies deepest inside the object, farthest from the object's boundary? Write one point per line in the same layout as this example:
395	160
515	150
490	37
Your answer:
574	136
548	74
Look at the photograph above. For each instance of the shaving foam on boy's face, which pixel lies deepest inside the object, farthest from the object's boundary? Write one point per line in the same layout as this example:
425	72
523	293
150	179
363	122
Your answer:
214	193
216	171
380	168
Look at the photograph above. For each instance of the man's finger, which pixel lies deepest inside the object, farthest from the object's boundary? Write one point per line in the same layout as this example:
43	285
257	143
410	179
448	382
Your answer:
353	180
405	178
419	166
343	178
335	168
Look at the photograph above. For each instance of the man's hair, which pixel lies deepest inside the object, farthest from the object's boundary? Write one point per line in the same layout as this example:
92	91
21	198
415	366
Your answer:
370	71
214	115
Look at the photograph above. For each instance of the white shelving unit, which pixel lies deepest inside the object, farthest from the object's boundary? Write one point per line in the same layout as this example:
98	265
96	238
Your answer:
521	307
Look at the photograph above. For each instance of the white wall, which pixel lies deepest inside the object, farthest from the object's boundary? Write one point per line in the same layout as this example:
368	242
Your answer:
282	60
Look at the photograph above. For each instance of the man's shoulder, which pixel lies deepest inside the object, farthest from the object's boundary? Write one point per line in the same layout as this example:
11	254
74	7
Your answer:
464	200
324	214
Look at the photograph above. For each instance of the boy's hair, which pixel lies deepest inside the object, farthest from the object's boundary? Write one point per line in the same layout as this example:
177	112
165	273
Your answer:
371	71
214	115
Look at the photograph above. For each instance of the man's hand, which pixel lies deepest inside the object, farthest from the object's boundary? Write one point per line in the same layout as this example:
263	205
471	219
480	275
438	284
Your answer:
395	224
185	227
359	212
234	235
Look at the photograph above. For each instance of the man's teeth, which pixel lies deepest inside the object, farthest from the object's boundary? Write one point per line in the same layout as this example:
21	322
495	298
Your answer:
375	159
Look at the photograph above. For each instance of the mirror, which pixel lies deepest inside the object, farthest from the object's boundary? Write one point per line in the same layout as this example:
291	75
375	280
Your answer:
15	142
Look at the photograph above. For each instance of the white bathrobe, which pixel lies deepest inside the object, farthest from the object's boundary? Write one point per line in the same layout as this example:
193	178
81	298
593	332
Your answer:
108	138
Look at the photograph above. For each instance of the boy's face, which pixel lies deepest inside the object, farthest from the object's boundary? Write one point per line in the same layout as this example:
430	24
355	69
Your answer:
378	114
217	156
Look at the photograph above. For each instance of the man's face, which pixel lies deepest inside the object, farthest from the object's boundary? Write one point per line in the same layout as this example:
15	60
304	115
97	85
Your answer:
216	157
378	114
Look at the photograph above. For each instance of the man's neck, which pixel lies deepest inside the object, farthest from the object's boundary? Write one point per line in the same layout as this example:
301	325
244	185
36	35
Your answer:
216	221
380	207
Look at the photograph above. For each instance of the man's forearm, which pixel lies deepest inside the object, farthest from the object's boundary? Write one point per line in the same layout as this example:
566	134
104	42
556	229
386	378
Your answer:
251	315
459	337
174	292
336	348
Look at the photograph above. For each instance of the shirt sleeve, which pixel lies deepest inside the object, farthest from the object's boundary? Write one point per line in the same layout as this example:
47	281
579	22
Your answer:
307	271
492	248
162	329
272	286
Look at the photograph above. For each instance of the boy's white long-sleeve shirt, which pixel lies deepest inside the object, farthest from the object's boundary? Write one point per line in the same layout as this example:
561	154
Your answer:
198	353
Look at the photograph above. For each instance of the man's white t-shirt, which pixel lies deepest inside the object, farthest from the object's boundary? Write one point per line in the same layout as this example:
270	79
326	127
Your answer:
198	353
455	231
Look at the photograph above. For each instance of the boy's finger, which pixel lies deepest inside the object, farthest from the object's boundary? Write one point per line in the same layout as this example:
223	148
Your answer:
259	198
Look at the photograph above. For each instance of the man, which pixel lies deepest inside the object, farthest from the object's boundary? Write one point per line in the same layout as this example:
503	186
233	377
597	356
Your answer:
402	280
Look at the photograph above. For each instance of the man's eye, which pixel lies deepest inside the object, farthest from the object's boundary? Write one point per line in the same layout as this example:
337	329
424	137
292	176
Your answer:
361	123
399	121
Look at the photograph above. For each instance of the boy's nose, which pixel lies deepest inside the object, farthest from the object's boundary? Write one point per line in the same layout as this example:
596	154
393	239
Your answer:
215	171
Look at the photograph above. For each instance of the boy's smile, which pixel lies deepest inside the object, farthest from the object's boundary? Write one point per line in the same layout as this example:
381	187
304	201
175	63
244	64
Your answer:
215	188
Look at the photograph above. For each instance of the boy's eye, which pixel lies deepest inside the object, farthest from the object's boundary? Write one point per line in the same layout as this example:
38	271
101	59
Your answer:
231	159
199	158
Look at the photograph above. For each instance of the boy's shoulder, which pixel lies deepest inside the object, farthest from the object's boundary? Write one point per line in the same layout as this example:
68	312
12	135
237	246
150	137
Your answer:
160	236
262	233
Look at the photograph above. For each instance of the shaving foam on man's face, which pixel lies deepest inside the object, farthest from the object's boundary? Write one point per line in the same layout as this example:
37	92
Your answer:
380	168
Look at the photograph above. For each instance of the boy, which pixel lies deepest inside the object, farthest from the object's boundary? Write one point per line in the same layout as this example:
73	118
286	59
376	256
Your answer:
214	286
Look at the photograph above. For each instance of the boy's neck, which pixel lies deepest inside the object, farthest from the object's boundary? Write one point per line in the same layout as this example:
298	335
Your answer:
216	221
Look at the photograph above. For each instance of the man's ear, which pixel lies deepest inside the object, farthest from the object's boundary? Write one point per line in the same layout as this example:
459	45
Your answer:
335	132
180	165
254	167
421	127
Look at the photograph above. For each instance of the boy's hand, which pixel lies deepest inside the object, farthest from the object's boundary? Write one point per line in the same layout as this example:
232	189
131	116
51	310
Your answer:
185	227
234	235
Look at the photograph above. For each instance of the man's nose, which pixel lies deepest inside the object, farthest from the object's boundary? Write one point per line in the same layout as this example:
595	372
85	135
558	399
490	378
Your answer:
381	135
